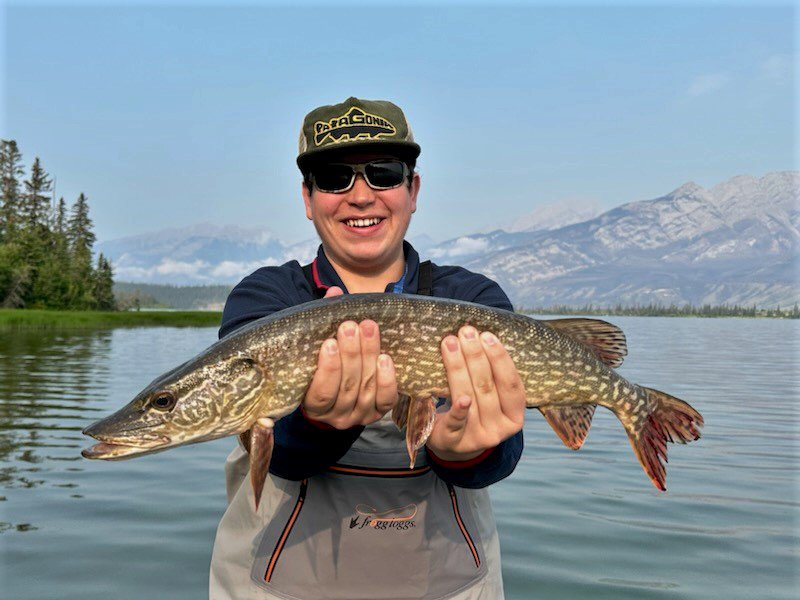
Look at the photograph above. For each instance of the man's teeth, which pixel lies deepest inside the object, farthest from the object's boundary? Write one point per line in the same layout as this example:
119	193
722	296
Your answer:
362	222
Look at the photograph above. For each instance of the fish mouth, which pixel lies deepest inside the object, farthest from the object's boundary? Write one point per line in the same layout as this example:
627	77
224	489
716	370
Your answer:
109	449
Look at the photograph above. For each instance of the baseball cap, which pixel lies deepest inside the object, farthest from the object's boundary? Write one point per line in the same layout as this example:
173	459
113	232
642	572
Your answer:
356	124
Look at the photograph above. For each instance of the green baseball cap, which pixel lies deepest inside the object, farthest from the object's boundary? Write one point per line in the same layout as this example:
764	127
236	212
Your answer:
356	124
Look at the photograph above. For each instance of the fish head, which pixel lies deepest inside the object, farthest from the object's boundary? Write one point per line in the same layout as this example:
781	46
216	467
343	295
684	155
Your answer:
204	399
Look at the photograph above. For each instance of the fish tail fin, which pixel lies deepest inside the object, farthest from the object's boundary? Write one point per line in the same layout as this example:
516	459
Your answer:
261	444
672	420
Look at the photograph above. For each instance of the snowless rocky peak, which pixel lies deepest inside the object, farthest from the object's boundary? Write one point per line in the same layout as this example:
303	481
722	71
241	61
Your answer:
555	215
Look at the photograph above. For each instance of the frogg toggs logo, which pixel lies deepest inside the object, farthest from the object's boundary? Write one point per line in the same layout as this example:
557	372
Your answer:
355	124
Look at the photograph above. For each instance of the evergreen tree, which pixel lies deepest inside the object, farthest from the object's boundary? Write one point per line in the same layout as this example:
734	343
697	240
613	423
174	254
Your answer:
35	200
10	170
81	240
104	285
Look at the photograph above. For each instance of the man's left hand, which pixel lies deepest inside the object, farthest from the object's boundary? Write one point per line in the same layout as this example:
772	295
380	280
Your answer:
487	397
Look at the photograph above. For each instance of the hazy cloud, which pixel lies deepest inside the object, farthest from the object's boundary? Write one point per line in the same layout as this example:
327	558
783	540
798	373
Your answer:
461	247
706	84
777	69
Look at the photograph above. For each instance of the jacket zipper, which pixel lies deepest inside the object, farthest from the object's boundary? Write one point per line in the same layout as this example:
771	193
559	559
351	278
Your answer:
287	529
467	537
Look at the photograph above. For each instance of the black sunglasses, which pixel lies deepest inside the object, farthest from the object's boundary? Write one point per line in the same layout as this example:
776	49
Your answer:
335	178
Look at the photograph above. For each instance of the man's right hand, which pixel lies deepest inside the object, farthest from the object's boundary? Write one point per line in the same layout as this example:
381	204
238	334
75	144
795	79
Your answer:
354	383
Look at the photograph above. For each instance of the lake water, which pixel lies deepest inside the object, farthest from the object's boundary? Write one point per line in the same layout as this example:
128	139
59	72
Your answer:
572	524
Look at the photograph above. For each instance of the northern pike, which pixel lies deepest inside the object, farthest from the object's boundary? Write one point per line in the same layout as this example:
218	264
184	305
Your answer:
261	372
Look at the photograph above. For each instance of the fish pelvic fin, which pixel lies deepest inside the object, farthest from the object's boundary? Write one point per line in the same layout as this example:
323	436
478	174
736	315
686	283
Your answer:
571	423
419	424
261	444
605	340
400	411
673	420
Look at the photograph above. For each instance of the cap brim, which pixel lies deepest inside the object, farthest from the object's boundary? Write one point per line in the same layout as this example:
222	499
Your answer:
402	150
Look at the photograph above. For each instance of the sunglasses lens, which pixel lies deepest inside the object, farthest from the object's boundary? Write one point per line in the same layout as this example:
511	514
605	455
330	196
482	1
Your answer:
385	174
332	178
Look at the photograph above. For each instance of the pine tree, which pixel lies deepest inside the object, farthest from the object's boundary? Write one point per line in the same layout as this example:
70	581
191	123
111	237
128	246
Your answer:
35	200
10	170
104	285
81	240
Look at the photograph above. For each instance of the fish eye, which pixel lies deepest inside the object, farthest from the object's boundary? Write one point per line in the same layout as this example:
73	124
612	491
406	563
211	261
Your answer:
163	401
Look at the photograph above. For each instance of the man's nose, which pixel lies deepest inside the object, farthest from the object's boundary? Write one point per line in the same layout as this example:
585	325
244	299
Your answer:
361	193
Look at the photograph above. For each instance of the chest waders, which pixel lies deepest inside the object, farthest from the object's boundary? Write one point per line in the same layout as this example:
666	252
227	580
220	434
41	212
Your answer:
370	527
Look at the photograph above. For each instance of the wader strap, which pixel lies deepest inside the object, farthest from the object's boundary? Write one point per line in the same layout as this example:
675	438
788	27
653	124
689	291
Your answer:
425	279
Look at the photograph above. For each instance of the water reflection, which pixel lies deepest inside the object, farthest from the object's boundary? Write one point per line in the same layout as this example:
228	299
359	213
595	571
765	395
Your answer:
47	381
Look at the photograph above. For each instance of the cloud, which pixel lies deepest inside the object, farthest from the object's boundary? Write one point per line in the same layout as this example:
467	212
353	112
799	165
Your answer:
461	247
777	69
706	84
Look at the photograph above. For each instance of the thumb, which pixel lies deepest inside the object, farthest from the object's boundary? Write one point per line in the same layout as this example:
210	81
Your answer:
332	291
455	419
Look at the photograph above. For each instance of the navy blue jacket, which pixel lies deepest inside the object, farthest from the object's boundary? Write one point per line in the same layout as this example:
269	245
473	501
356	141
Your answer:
303	449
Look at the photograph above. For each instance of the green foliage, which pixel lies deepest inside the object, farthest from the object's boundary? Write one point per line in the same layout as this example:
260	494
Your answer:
10	171
46	250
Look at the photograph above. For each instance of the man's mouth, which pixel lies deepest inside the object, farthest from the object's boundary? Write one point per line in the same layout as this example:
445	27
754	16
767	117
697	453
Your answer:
362	223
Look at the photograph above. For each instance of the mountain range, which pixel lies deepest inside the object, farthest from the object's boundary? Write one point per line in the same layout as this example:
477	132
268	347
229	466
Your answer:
734	243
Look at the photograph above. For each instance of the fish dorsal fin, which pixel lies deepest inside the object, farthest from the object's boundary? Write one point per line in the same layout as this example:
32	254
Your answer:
571	423
605	340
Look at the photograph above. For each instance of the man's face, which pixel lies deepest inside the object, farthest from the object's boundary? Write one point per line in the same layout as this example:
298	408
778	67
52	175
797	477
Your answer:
362	228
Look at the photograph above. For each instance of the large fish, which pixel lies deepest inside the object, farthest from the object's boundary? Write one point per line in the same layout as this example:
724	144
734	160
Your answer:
260	373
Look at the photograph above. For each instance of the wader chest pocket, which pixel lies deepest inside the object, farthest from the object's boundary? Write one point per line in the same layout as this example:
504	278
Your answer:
364	533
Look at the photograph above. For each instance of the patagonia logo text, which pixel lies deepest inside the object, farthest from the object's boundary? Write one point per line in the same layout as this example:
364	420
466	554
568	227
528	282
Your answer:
355	124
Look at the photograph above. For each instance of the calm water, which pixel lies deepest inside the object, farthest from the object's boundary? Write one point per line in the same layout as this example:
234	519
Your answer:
573	524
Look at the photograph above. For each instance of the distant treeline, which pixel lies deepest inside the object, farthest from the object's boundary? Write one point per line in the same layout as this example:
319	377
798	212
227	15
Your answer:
46	248
673	310
131	296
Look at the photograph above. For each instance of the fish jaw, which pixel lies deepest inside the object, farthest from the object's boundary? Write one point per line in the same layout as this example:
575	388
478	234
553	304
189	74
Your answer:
109	451
123	444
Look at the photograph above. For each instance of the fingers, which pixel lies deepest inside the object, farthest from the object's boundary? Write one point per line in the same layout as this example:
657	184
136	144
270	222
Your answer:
510	389
354	384
370	348
386	394
349	341
324	387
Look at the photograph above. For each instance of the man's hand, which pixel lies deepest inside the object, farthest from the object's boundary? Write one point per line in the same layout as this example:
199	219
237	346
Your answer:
488	397
354	383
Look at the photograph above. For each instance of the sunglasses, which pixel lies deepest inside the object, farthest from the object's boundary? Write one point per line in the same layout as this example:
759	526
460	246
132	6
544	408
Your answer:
335	178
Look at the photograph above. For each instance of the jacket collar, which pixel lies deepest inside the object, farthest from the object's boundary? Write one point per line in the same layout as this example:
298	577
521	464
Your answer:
325	275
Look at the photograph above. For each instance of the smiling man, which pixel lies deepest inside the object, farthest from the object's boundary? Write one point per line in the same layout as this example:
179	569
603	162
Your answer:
342	515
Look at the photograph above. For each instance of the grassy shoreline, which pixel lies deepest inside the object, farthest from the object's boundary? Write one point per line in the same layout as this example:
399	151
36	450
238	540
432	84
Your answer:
66	319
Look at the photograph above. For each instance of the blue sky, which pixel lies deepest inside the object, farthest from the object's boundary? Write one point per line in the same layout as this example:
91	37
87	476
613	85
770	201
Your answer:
184	113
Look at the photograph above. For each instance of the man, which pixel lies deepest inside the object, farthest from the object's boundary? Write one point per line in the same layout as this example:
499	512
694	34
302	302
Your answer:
342	515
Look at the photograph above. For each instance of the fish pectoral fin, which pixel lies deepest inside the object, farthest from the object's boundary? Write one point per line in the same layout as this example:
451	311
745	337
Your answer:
400	411
420	418
571	423
673	420
261	444
605	340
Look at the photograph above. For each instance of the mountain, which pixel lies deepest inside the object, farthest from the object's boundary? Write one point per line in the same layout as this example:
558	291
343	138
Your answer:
736	242
555	215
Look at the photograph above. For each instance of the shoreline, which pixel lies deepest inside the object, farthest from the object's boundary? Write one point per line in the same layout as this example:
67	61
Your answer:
11	318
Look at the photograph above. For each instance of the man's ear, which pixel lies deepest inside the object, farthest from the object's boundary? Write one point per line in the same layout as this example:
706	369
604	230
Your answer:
415	183
307	200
